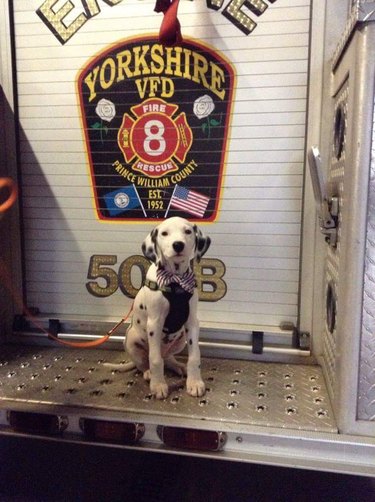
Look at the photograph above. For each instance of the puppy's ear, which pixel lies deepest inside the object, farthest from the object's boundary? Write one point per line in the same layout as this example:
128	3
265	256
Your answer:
202	243
150	247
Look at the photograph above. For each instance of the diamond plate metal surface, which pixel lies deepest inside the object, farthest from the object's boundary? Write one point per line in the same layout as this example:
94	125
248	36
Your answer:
366	396
240	392
332	276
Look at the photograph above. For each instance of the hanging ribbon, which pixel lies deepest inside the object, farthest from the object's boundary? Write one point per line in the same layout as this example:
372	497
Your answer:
170	29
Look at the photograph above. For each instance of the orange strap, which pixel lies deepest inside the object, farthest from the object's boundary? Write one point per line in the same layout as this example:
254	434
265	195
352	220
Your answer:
7	282
9	183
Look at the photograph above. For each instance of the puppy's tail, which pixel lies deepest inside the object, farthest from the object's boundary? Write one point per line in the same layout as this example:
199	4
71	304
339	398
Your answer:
121	366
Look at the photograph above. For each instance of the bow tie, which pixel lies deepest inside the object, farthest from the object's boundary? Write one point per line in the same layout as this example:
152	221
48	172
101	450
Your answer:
186	281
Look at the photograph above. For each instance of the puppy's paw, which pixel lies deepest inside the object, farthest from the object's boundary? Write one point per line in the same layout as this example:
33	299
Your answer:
195	388
147	375
159	390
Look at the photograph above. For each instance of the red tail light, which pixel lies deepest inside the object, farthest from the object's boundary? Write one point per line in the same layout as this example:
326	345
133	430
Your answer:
37	423
112	432
194	439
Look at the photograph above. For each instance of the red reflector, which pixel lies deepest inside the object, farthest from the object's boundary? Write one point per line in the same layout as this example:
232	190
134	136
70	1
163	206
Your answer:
106	431
192	438
37	423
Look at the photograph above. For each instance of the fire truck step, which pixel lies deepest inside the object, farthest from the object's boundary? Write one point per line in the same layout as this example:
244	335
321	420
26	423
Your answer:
242	392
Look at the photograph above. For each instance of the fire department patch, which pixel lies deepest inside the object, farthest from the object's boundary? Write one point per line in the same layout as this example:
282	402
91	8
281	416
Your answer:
156	122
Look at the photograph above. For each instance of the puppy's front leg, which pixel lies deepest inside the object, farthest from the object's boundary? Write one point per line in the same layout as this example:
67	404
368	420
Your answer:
158	385
194	383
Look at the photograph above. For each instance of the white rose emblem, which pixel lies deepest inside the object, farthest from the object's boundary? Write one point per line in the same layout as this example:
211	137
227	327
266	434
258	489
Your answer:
105	109
203	106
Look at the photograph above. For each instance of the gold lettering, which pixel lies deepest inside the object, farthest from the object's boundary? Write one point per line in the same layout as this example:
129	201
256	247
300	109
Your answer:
54	20
108	64
123	61
175	60
200	69
209	274
217	80
157	57
90	81
140	64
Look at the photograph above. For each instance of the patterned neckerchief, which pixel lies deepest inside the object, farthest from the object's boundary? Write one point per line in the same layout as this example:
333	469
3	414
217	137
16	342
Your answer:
186	281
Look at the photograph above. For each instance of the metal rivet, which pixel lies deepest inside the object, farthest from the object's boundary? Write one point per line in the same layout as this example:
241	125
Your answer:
232	405
203	402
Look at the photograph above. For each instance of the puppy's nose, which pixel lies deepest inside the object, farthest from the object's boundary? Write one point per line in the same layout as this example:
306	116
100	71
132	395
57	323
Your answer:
178	246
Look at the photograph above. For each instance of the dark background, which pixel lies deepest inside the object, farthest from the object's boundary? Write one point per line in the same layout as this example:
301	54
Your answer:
36	470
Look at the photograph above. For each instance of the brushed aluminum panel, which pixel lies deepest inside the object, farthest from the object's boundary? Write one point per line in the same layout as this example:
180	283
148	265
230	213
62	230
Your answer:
238	392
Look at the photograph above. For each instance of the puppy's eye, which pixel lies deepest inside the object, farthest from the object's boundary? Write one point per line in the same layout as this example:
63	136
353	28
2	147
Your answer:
188	231
164	234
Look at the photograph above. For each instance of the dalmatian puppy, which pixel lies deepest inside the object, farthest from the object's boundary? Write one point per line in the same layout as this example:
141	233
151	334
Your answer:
165	309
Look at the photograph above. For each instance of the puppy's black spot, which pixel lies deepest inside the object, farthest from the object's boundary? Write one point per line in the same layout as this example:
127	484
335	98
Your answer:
138	321
151	333
187	330
181	336
139	345
190	342
154	235
141	306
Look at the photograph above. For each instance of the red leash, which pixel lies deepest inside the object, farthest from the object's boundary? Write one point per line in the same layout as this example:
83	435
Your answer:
7	282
